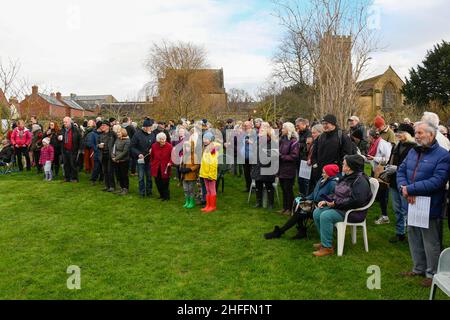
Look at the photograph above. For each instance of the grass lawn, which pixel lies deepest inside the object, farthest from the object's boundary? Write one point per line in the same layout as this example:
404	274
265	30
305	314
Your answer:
133	248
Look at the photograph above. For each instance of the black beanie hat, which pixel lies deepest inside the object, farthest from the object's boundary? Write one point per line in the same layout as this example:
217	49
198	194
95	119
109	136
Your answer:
330	119
406	128
98	124
355	162
357	134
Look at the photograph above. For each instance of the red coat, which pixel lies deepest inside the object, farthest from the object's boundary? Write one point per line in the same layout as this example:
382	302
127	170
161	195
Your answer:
23	141
47	154
160	157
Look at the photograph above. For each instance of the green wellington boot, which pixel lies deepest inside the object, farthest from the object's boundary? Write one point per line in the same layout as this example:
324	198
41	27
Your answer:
191	204
186	204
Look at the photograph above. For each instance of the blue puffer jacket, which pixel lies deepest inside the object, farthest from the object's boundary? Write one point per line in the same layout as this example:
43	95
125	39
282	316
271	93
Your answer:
323	189
431	166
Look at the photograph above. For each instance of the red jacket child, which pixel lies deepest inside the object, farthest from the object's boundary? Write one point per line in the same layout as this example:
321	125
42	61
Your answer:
47	154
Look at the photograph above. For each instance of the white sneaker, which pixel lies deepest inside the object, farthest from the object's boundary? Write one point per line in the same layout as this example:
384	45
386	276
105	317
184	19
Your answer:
382	220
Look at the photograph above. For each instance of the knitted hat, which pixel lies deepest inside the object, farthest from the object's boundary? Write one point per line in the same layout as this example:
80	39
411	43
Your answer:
331	170
208	135
379	122
357	134
98	125
46	141
148	123
106	122
331	119
406	128
374	133
355	162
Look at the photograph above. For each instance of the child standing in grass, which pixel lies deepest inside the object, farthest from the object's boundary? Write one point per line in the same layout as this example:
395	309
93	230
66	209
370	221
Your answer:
189	173
208	170
46	158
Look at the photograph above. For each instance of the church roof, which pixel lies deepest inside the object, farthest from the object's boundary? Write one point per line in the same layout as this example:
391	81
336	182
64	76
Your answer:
366	86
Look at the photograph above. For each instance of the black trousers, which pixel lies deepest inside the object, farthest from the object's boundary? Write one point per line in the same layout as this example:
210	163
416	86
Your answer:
247	175
56	162
296	219
108	172
70	165
260	188
36	158
163	186
122	169
23	152
287	186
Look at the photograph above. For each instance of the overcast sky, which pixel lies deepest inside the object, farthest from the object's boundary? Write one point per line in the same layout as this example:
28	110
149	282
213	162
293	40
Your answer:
99	46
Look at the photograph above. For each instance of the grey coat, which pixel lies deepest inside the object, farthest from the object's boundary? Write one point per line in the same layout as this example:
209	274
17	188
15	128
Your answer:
121	150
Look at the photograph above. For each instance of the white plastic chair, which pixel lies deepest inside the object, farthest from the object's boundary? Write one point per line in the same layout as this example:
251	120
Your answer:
275	187
342	226
442	278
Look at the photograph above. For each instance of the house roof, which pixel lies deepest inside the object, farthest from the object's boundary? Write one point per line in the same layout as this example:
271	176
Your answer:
73	104
51	100
93	98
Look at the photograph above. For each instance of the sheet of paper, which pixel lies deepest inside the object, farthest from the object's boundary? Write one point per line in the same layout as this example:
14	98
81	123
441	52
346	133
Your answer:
419	213
305	170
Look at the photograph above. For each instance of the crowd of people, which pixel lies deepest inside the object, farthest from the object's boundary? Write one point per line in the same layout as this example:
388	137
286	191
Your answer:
409	159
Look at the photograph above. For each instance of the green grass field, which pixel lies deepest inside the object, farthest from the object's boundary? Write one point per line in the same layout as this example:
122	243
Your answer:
133	248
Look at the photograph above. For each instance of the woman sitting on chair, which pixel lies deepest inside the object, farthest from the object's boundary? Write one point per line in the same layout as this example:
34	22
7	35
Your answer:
352	192
323	188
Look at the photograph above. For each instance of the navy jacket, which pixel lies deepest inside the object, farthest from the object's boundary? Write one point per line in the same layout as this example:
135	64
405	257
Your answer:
425	172
323	189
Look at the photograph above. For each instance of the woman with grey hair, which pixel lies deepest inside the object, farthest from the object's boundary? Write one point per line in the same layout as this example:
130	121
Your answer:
289	155
160	165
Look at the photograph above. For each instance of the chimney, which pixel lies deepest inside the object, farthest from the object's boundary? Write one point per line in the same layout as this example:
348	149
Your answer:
72	96
34	90
58	96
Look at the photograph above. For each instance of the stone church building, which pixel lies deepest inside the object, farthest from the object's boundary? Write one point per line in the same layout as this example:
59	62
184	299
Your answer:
380	95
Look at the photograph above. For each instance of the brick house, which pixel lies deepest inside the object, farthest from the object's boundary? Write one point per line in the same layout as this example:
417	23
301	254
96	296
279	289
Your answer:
43	106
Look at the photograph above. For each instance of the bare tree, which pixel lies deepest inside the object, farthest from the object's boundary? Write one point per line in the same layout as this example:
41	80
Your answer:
183	85
327	45
238	100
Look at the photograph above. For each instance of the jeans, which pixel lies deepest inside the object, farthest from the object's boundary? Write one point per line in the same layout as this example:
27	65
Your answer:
425	247
97	172
399	204
325	219
145	179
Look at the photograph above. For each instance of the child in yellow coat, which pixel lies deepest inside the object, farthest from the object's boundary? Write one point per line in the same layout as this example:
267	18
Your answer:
208	170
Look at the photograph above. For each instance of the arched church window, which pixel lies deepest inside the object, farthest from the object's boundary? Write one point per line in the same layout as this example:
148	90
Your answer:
389	97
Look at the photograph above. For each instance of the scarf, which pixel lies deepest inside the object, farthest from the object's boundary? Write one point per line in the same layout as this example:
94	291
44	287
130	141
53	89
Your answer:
373	147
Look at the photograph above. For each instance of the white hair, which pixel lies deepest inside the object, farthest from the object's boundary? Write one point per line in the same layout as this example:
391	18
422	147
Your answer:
318	128
430	127
431	117
161	136
291	130
443	130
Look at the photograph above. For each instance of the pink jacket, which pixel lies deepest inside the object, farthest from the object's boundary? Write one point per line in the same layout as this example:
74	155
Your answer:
22	139
47	154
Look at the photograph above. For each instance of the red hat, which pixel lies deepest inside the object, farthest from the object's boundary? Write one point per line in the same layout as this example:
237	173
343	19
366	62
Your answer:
379	122
331	170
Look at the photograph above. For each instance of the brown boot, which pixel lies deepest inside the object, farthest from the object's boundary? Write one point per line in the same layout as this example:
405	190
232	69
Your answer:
324	252
317	246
